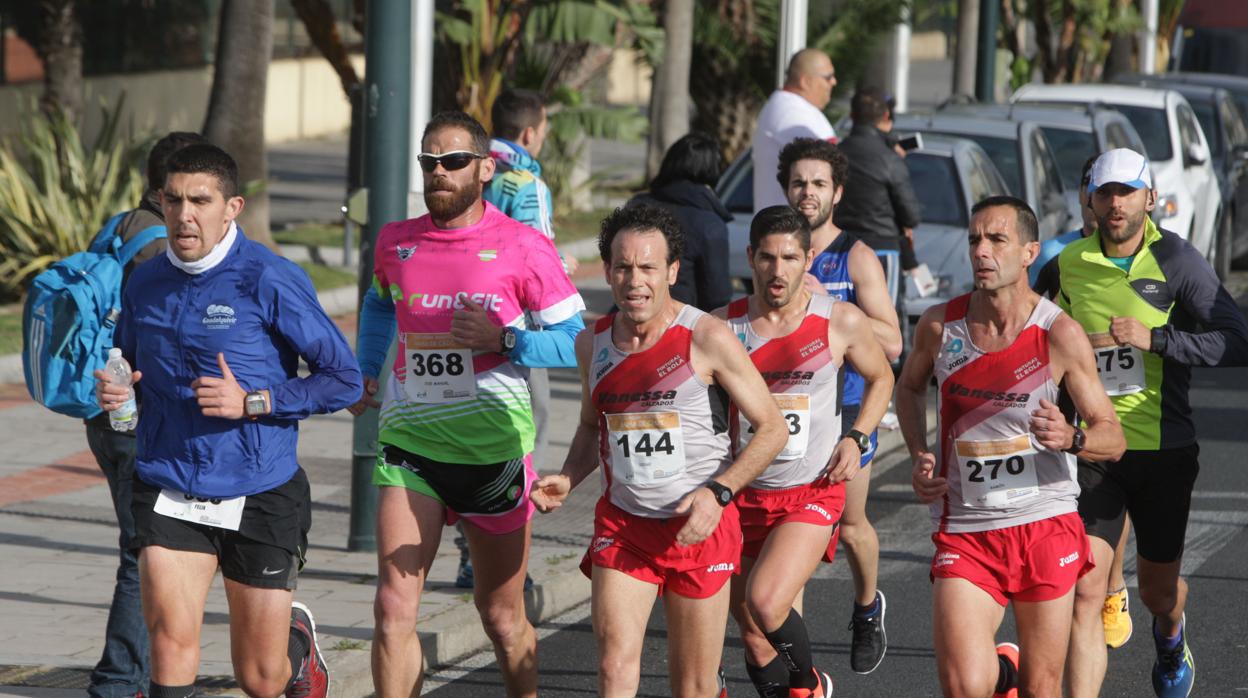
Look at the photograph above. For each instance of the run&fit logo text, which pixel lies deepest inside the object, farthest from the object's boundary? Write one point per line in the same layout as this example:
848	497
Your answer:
219	317
443	301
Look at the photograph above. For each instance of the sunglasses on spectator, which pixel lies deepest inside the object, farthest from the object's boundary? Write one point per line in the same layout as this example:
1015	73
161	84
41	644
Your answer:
454	160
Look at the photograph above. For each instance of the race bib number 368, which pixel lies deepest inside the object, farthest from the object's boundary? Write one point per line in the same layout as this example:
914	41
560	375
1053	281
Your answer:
438	369
646	447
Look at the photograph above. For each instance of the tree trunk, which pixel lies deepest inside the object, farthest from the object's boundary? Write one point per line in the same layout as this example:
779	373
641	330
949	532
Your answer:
319	21
235	118
60	47
671	83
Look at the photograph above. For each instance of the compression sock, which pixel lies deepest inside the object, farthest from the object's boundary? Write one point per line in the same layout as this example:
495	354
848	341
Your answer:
1167	643
1007	675
158	691
793	645
772	680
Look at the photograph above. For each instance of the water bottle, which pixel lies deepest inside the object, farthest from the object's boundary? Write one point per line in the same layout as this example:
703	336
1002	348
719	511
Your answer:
123	418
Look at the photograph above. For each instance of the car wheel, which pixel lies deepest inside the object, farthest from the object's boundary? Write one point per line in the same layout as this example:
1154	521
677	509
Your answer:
1221	247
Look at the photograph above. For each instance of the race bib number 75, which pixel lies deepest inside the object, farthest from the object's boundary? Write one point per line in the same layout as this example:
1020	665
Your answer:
1121	369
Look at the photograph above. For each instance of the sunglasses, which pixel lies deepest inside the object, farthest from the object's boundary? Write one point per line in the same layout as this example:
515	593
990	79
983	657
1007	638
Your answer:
454	160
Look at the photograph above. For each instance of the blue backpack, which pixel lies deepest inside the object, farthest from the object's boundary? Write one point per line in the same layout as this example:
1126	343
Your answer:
68	320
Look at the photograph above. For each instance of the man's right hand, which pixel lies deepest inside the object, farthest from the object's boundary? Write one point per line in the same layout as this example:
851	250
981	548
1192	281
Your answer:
110	396
366	400
928	487
549	492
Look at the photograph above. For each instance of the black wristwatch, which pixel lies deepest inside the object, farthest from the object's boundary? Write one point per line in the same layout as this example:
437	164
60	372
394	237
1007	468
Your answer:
861	440
722	493
508	339
1076	444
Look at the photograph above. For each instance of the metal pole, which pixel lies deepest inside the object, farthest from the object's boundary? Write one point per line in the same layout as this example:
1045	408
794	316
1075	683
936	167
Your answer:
901	62
1148	37
986	65
792	35
964	59
387	42
422	99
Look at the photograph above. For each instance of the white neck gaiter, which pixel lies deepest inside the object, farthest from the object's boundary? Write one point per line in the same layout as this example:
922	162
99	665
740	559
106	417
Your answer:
209	260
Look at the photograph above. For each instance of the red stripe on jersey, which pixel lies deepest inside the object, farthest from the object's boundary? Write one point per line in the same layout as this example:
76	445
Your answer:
784	354
638	373
955	309
739	307
603	323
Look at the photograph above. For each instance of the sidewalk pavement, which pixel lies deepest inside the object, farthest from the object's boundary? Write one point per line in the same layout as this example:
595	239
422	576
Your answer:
58	541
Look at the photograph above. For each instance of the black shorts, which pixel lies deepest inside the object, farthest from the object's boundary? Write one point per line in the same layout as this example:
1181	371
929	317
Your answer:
1154	487
267	550
491	489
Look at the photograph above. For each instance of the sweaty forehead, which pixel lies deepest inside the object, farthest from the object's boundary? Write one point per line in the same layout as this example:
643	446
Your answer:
639	245
192	184
997	219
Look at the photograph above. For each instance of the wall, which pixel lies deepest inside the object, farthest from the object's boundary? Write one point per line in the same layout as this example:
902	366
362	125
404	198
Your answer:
305	100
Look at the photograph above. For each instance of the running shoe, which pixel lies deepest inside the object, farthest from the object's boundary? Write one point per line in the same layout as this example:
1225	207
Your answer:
722	682
313	678
867	649
1116	619
1009	650
1174	672
820	691
889	421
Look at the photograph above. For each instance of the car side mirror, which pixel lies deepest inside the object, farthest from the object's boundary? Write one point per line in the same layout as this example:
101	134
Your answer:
1195	155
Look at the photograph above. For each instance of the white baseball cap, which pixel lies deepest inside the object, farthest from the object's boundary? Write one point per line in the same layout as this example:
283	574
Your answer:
1121	166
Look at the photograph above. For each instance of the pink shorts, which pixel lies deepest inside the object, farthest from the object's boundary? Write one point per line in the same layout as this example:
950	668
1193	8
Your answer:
1039	561
646	549
818	502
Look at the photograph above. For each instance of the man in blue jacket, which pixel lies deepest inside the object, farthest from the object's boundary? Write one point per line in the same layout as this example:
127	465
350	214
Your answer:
215	329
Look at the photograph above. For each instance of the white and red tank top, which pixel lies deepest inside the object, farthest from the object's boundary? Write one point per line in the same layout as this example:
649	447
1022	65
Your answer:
801	373
663	431
999	475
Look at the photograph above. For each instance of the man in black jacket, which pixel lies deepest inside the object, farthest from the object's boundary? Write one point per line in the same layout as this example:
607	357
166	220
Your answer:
879	205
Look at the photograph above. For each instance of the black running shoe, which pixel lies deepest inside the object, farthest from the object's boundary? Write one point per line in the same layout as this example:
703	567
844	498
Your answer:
869	644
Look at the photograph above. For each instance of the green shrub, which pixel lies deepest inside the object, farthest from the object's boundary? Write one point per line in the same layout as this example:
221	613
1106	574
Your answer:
55	193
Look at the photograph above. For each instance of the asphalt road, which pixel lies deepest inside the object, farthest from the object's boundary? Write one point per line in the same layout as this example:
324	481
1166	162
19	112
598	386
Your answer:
1214	564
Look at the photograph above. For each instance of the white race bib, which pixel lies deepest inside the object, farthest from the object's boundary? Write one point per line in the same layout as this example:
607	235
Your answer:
795	407
219	513
1120	368
438	369
997	473
647	448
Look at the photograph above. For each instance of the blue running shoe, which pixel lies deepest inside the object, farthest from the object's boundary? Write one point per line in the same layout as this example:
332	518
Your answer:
1174	672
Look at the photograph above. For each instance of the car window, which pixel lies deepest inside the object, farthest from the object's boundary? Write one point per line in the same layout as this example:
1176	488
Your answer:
1071	148
935	183
1116	137
977	176
1044	171
1004	154
1208	123
1189	129
1152	126
740	195
1233	118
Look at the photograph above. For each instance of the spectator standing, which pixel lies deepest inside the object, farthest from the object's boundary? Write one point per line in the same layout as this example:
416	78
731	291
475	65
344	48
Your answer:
685	188
793	111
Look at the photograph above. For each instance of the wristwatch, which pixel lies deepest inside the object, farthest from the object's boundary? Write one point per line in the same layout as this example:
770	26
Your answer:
256	404
722	493
861	440
508	339
1076	444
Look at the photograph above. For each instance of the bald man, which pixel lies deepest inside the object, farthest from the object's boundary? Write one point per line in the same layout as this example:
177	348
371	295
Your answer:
793	111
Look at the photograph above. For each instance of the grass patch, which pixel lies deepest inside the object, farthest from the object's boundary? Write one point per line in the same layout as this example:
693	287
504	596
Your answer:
345	644
325	278
316	234
578	225
10	333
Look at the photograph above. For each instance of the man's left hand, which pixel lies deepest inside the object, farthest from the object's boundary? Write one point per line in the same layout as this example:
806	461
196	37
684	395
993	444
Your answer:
704	513
472	327
1051	428
220	397
845	462
1129	331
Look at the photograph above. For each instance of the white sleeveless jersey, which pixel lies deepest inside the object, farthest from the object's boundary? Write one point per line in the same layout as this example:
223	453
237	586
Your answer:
802	375
999	475
663	432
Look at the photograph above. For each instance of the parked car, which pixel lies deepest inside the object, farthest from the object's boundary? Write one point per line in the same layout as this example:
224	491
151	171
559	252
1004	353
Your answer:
1021	153
1226	131
1237	85
1074	133
1189	197
949	175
